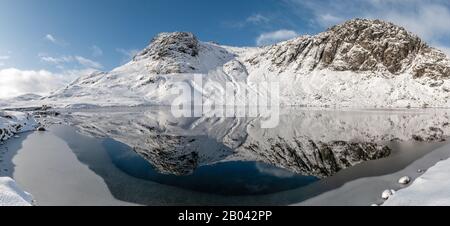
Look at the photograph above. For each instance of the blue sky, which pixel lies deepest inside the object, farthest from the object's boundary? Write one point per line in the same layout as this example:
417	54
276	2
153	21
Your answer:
116	26
64	38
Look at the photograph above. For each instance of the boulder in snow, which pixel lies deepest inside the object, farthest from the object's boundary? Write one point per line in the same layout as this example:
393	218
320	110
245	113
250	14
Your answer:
404	180
387	194
41	128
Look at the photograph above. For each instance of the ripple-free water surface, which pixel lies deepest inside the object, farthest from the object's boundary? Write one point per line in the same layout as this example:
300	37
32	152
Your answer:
226	178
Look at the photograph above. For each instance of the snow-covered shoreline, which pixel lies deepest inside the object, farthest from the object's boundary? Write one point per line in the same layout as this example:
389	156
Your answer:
430	189
11	124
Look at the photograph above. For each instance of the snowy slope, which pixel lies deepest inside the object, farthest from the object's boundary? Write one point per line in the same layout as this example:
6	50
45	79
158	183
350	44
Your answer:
12	123
169	59
431	189
362	63
12	195
19	100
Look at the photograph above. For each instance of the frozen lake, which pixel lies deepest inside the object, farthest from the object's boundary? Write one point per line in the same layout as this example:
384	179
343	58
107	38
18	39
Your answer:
145	156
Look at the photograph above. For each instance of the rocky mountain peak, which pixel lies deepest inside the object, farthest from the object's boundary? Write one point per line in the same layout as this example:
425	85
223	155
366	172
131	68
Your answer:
167	44
181	52
169	52
360	45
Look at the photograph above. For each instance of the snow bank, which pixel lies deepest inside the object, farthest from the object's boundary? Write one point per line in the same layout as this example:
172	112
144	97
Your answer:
12	123
431	189
12	195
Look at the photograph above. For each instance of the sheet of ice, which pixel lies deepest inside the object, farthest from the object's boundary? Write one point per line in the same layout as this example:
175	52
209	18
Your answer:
12	195
431	189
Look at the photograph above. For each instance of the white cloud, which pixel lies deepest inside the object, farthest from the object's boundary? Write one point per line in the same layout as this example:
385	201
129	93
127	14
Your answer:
59	61
327	20
257	19
15	82
55	60
49	37
96	51
88	63
2	59
429	21
128	54
275	36
254	19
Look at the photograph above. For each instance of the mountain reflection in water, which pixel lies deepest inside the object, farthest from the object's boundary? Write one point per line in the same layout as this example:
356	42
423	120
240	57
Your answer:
308	142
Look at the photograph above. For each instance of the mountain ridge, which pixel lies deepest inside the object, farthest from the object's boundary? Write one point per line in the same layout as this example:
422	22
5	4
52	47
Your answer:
360	63
358	45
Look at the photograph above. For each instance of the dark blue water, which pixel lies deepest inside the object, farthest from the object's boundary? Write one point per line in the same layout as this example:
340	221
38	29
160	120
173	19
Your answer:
228	178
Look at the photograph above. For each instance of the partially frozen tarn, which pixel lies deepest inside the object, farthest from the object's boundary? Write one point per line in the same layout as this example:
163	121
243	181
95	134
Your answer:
431	189
12	195
12	123
302	136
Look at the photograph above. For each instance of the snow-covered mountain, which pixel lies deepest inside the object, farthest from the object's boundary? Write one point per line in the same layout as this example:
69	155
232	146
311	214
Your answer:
361	63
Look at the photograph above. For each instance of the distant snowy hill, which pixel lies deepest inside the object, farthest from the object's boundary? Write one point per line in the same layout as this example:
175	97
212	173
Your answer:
26	97
361	63
19	99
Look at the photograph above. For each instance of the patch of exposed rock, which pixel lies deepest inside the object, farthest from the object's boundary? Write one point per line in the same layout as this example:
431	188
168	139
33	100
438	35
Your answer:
172	51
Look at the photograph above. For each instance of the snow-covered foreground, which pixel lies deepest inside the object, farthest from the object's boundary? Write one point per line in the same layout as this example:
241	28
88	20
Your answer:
12	195
431	189
12	123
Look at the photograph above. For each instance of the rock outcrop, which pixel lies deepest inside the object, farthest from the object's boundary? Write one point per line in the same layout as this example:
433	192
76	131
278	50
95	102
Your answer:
360	45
